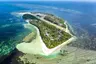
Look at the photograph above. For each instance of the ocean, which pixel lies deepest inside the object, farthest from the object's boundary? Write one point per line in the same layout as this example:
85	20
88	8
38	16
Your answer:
80	15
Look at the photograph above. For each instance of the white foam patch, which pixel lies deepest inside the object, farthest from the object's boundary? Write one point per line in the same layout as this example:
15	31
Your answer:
69	10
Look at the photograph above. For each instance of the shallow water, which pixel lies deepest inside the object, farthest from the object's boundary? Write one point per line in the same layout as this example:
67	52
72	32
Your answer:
81	16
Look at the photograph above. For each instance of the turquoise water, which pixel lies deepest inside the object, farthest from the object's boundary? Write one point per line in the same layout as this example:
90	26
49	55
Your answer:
10	43
81	16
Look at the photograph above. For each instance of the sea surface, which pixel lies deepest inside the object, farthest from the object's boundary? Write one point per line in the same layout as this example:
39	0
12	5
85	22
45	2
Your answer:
80	15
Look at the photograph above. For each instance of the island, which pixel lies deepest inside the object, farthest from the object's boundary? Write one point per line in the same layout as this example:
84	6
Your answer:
48	25
51	34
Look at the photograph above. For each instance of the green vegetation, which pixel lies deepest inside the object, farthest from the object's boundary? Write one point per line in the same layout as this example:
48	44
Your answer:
29	17
55	20
51	35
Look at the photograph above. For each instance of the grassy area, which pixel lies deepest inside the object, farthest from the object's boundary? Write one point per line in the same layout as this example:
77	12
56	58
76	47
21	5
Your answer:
29	17
51	36
55	20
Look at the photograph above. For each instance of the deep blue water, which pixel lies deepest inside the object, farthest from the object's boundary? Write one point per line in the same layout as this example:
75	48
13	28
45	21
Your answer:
81	16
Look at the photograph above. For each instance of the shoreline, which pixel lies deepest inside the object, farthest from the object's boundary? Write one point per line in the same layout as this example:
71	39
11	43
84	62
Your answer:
44	50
